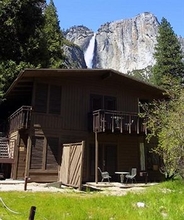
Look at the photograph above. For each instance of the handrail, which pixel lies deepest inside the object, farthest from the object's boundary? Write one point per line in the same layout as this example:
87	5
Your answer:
18	111
117	121
115	112
20	118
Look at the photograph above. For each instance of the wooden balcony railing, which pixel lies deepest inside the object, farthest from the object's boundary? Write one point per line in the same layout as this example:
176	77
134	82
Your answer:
117	121
20	119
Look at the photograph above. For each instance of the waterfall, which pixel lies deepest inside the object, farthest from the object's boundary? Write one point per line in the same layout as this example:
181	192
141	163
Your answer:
88	54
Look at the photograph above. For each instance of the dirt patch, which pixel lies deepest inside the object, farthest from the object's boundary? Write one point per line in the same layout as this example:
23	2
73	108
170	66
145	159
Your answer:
117	189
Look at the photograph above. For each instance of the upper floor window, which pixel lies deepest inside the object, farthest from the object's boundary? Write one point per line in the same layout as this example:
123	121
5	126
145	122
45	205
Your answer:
41	97
48	98
110	103
55	100
102	102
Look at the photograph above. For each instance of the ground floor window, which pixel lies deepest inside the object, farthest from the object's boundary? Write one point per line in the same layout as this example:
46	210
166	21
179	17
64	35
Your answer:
142	156
107	158
44	153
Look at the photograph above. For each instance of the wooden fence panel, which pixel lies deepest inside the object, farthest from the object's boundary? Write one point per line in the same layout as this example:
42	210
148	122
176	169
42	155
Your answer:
72	164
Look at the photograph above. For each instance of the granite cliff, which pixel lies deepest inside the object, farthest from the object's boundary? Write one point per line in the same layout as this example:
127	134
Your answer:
123	45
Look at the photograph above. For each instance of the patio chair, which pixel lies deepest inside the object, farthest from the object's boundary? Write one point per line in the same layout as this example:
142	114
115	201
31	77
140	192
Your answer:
132	175
104	175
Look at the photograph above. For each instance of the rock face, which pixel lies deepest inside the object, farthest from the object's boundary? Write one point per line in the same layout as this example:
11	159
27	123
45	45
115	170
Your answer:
181	40
127	44
79	35
74	57
123	45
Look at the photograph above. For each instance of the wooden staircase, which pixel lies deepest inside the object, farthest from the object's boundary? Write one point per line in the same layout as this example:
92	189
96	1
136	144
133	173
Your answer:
4	148
5	155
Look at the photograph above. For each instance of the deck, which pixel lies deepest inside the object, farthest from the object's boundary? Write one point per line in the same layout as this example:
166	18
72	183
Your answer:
117	122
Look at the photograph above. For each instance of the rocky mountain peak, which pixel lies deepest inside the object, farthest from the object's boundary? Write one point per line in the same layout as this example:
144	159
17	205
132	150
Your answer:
124	45
80	35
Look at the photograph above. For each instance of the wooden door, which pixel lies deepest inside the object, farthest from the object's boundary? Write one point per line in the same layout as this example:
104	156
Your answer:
108	158
72	164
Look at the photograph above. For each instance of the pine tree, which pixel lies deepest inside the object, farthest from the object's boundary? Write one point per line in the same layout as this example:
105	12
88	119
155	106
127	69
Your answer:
168	55
21	31
53	36
22	40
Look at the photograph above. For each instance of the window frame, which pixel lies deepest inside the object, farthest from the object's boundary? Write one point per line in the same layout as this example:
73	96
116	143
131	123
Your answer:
104	101
47	107
43	166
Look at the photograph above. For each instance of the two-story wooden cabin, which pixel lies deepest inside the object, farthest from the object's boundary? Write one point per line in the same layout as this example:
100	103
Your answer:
50	108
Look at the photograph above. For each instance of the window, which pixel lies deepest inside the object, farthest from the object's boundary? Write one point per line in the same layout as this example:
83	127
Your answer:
48	98
55	100
52	153
41	97
102	102
96	102
110	103
37	152
44	154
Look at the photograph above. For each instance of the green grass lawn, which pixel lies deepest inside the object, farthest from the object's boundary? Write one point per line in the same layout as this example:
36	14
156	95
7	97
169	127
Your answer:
162	201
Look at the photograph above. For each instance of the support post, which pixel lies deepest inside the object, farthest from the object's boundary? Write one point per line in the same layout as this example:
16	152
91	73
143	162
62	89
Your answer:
96	157
32	213
25	183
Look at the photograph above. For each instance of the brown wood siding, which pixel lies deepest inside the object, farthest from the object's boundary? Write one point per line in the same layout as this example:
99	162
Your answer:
22	151
21	164
75	104
44	158
128	152
52	157
46	121
37	153
73	97
43	177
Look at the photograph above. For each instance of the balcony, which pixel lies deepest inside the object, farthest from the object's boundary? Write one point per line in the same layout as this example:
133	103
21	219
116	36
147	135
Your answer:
117	122
20	119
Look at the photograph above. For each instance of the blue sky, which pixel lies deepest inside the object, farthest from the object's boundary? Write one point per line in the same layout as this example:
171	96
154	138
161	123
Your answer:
94	13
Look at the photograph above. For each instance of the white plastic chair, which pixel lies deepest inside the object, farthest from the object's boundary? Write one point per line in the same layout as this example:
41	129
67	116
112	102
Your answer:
104	175
132	175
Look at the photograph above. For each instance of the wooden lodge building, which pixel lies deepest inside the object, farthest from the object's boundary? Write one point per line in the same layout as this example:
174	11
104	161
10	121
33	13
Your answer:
64	123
